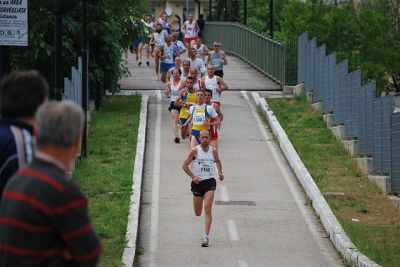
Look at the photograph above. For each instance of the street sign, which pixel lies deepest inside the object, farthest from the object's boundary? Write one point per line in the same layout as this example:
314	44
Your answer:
14	22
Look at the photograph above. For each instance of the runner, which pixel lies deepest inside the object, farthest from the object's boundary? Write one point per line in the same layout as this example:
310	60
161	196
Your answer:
215	83
171	90
213	128
158	40
202	158
217	58
166	26
196	82
180	47
185	69
177	64
197	63
201	49
190	29
200	114
167	57
185	99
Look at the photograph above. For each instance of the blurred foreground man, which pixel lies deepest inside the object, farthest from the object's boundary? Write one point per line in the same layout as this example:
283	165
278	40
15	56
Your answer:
43	213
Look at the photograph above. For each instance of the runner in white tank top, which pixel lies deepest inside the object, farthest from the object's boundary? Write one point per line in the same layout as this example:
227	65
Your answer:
215	83
201	49
202	158
172	90
196	82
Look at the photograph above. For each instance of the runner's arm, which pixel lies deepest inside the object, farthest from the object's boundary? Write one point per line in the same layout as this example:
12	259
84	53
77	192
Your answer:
222	85
168	75
224	59
178	102
218	164
184	28
167	89
186	163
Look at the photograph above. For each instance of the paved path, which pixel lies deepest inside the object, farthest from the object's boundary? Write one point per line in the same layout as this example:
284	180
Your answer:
239	75
278	228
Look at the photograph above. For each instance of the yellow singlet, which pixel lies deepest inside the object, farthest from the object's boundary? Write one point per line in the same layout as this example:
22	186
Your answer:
190	98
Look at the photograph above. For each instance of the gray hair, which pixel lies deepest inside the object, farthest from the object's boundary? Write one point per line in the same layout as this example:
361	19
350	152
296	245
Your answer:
59	123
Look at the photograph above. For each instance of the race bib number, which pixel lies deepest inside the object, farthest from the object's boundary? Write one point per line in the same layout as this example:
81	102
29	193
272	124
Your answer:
199	118
206	168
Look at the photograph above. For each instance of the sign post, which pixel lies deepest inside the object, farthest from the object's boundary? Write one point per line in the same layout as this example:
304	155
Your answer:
13	29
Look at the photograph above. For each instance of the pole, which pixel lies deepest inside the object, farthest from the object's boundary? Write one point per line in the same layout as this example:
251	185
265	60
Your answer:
85	83
210	8
5	59
225	7
245	12
187	9
271	19
58	58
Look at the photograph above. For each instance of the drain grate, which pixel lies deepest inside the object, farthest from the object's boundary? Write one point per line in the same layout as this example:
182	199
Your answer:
235	203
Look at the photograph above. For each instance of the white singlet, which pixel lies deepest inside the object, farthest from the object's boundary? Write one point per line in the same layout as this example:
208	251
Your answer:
200	51
174	90
190	29
159	39
212	84
183	77
197	85
203	165
169	52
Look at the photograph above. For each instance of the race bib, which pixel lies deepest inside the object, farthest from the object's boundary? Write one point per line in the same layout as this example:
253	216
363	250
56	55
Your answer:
199	118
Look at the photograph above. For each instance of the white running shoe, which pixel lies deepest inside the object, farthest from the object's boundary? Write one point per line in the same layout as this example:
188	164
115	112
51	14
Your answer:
204	241
157	78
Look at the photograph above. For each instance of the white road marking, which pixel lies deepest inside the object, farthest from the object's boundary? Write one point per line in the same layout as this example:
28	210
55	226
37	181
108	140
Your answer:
155	193
242	263
232	230
224	193
244	94
297	195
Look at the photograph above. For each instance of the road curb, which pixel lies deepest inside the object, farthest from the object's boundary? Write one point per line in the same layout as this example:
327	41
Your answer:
332	226
128	256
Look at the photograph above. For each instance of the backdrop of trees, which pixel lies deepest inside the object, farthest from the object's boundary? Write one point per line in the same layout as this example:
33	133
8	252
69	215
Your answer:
108	35
367	32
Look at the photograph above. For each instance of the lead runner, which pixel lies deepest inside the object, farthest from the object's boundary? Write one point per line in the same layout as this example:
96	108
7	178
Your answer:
202	158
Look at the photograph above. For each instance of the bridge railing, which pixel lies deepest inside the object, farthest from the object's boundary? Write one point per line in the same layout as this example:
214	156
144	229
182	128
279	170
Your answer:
263	53
373	121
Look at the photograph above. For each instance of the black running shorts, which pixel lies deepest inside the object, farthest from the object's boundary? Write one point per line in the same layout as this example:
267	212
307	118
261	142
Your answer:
172	106
206	185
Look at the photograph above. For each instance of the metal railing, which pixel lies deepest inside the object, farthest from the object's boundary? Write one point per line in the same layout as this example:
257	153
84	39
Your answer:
73	86
266	55
373	121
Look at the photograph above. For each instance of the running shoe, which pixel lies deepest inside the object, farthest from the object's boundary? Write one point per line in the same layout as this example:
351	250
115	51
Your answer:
139	63
176	140
148	63
204	241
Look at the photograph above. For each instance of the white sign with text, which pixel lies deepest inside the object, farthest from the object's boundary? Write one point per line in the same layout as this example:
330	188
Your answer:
14	22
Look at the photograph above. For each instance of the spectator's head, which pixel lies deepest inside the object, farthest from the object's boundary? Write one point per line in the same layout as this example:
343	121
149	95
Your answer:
21	93
59	128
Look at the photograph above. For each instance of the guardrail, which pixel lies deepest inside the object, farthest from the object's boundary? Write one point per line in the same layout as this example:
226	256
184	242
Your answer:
265	54
373	121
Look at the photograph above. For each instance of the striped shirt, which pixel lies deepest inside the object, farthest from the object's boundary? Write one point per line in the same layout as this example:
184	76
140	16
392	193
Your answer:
44	219
16	147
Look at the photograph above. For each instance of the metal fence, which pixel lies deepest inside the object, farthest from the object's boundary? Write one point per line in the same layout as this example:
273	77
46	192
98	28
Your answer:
370	120
263	53
73	86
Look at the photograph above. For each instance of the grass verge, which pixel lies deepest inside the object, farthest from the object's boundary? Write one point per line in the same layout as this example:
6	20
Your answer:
106	174
366	214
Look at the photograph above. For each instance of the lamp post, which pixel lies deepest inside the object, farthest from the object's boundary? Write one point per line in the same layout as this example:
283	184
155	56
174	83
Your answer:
271	19
225	8
245	12
85	80
210	8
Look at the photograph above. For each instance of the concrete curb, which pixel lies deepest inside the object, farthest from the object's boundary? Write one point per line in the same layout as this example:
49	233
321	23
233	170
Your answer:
332	226
128	256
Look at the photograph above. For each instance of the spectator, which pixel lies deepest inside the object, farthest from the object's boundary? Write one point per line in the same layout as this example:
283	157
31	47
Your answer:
200	22
43	213
21	93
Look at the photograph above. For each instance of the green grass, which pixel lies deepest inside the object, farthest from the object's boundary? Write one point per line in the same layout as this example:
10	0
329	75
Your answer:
106	174
377	234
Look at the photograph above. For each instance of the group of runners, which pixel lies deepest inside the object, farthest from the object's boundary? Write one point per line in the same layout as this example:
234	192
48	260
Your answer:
193	77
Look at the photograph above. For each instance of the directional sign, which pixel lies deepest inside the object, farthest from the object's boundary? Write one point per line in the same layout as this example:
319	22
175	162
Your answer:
14	22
